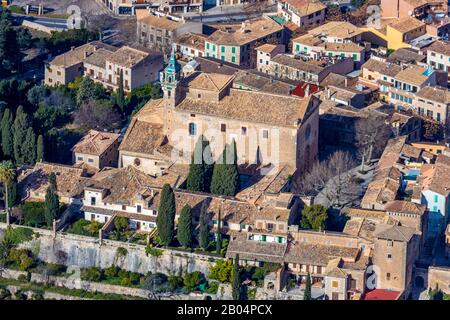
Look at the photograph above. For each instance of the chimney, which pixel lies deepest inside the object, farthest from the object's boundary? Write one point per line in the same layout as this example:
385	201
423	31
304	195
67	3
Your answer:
328	93
307	90
346	82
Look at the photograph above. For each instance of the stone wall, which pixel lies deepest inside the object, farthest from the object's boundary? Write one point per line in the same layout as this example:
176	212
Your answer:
439	276
83	252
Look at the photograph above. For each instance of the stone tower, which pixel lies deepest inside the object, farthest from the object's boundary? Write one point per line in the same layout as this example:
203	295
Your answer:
170	78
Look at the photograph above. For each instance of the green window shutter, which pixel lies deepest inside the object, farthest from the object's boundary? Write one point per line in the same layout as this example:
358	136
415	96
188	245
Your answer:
264	238
330	54
223	58
435	198
233	49
297	47
233	59
223	48
355	56
207	45
207	54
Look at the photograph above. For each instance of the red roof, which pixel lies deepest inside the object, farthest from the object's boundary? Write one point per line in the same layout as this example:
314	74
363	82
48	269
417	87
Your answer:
382	294
300	90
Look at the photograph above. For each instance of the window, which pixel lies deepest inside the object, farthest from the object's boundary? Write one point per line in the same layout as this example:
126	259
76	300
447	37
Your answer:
124	207
92	201
244	131
233	50
265	134
233	59
139	208
207	46
223	49
80	158
388	276
192	129
389	256
390	243
223	127
335	284
90	160
436	198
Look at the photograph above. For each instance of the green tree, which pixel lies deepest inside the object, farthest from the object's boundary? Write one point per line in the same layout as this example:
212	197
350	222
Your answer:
307	294
222	271
165	220
24	38
29	147
40	148
121	93
219	234
12	192
21	126
7	134
185	228
236	280
203	232
121	223
89	90
7	175
225	176
314	217
192	280
195	178
51	200
10	55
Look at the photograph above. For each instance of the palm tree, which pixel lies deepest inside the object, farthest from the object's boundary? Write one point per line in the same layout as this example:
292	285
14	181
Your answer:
7	174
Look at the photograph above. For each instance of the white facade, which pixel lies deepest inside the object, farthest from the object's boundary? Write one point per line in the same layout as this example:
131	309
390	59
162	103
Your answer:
94	199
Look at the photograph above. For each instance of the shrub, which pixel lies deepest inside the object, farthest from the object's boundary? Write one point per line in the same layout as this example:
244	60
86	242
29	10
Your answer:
121	223
111	271
154	252
33	213
92	274
175	282
18	235
125	282
121	252
85	228
123	274
192	280
22	258
221	271
135	277
212	288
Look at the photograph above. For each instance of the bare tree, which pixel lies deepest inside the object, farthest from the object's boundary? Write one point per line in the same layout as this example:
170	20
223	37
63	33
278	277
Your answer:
371	135
333	179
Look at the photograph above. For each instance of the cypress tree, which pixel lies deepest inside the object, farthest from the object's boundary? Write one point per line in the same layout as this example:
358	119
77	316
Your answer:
7	134
29	147
165	220
203	232
21	125
51	200
307	294
218	177
12	192
40	148
120	93
219	234
185	228
195	178
236	280
225	174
